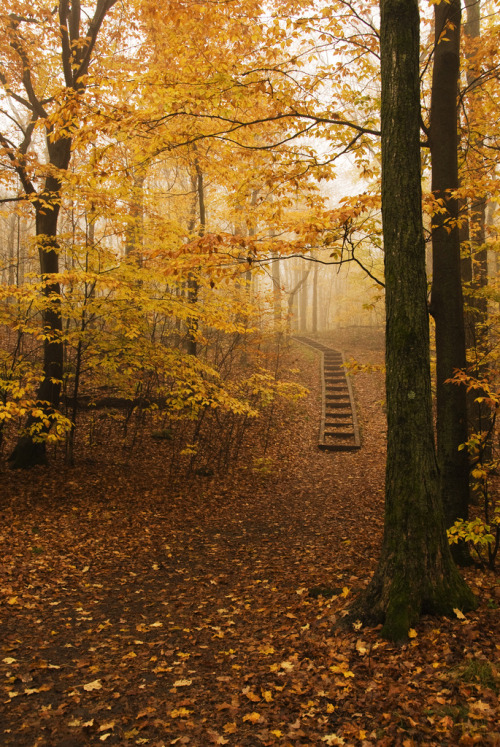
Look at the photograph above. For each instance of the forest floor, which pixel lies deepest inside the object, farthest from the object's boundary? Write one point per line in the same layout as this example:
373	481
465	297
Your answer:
137	608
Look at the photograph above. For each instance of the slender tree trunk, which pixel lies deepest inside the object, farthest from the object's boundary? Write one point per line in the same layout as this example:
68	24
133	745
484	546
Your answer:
447	300
134	233
293	318
192	284
476	317
276	277
303	298
315	301
416	573
11	247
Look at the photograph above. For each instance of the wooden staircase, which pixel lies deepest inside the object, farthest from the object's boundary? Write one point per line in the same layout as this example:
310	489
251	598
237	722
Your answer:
339	426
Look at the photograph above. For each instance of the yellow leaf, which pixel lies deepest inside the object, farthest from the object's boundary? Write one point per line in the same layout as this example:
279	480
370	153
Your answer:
251	695
345	591
459	613
95	685
266	650
230	727
182	683
342	669
252	717
12	600
330	708
412	633
180	713
268	696
109	725
481	706
277	733
361	647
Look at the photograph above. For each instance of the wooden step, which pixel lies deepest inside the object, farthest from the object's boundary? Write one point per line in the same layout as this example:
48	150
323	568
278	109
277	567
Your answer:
338	447
338	434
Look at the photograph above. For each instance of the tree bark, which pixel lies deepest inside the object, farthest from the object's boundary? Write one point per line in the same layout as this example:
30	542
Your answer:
315	291
303	302
446	298
293	318
276	278
476	258
192	283
77	45
30	449
416	573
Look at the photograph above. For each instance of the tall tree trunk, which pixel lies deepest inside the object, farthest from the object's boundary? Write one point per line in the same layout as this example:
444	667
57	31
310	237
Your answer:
476	259
30	449
446	299
293	317
276	278
315	291
303	298
134	233
75	52
192	284
416	572
12	225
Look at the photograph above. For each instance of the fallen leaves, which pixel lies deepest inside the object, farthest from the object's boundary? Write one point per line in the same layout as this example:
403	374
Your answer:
90	686
266	650
251	695
221	642
253	717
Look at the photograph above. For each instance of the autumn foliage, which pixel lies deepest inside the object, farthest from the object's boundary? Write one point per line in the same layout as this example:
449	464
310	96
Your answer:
183	186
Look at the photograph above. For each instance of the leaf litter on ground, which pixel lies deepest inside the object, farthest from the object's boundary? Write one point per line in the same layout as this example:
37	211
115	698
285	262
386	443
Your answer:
141	608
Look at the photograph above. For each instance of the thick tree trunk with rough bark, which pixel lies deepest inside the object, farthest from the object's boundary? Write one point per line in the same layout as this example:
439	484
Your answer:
416	573
447	300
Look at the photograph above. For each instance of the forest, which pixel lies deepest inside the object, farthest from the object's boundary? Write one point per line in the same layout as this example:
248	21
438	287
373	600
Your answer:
201	203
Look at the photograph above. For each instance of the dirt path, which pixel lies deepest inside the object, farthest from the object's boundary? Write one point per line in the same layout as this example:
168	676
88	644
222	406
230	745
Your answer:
137	610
